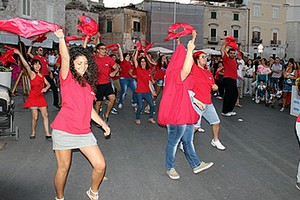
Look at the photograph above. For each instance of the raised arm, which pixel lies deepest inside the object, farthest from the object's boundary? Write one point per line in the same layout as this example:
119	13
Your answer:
223	49
65	57
120	53
188	62
29	51
25	64
135	62
85	41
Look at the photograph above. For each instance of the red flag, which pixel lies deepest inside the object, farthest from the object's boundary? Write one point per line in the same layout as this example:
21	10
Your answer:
229	39
139	46
8	55
69	38
27	28
88	26
40	38
113	47
148	46
187	29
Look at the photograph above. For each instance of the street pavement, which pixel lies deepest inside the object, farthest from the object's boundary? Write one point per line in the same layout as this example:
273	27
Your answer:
259	163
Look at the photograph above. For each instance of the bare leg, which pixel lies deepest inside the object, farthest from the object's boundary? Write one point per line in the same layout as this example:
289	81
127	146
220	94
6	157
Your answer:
63	158
34	118
98	106
216	129
97	160
111	101
45	120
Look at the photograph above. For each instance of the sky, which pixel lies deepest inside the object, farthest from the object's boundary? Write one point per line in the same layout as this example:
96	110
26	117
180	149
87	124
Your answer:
118	3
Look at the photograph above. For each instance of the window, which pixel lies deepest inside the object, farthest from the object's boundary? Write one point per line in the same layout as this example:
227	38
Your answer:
275	13
236	16
236	35
275	37
136	26
213	15
225	33
109	26
213	35
26	11
256	11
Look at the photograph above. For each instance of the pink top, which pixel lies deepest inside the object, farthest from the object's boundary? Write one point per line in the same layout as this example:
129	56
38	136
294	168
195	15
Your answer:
175	107
263	70
105	65
143	78
203	81
77	102
230	67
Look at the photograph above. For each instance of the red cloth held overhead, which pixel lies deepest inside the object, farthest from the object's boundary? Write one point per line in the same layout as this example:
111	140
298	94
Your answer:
113	47
8	55
148	46
187	29
27	28
88	26
40	38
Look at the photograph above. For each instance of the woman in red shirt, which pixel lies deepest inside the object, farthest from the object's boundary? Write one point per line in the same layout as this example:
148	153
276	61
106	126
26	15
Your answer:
159	74
144	87
71	127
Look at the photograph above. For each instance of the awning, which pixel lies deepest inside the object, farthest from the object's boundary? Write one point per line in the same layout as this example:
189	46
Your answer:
9	38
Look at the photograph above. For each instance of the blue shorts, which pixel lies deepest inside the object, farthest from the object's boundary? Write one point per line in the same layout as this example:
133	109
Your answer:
209	113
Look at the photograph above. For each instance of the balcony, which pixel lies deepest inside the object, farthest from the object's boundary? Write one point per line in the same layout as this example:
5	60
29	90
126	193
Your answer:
275	43
213	40
256	41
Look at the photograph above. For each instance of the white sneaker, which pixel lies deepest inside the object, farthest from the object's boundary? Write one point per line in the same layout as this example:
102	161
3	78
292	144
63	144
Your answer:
232	113
201	130
226	114
217	144
120	106
282	109
134	105
180	146
202	166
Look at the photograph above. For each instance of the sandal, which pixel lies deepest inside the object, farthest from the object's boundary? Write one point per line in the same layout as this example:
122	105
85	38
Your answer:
151	120
137	121
60	198
89	192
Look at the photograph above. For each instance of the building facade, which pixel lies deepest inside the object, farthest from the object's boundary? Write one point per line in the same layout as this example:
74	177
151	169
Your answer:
162	14
267	26
223	21
293	27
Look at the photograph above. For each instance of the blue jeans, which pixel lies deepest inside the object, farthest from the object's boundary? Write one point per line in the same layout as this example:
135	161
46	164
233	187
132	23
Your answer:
140	96
185	133
125	83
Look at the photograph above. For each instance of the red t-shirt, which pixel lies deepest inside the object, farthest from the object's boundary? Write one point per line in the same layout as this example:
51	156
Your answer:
77	102
230	67
44	62
203	81
126	66
105	65
159	73
175	107
143	78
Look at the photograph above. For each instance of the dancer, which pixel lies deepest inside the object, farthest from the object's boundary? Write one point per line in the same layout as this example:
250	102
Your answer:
203	85
298	136
176	110
71	127
36	100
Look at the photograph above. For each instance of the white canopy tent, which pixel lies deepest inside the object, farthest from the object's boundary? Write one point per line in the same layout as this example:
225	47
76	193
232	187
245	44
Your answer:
160	50
210	52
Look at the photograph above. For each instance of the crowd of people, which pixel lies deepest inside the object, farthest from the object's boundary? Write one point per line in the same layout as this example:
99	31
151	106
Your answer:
85	78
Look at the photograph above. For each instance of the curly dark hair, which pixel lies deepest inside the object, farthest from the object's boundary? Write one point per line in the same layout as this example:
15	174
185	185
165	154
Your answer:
91	74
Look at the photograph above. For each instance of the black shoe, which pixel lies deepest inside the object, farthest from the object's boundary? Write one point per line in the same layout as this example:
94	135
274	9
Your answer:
32	137
48	137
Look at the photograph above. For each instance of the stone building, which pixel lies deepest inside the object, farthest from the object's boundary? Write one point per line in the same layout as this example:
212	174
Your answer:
125	26
293	27
223	21
267	26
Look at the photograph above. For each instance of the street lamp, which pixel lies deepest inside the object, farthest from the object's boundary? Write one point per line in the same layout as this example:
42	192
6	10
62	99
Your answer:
260	49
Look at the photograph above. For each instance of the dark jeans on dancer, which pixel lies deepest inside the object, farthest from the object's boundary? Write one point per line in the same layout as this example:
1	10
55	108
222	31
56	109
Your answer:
230	96
54	90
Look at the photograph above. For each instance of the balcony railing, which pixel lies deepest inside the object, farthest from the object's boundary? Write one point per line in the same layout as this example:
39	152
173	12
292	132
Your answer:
256	41
275	43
